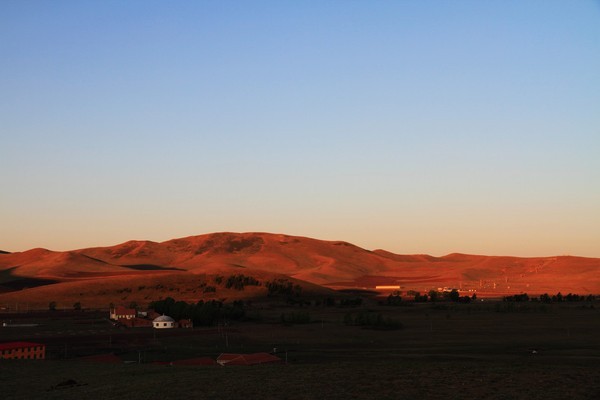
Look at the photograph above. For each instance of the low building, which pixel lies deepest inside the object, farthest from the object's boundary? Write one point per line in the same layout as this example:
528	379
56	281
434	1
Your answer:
118	313
22	350
185	323
163	322
135	322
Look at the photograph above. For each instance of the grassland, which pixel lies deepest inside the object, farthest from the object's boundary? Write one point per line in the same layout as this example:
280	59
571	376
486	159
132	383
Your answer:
444	351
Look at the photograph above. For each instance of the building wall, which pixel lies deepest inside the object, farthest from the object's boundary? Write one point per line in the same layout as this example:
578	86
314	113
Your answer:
24	353
164	325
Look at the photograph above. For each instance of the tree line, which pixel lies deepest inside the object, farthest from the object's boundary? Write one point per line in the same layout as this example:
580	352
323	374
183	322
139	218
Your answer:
201	313
546	298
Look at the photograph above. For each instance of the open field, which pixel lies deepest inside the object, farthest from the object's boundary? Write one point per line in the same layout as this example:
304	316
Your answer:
444	350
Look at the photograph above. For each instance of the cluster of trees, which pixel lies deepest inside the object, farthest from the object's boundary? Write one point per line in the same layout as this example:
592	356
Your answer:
434	295
202	313
283	287
372	320
394	299
546	298
523	297
239	281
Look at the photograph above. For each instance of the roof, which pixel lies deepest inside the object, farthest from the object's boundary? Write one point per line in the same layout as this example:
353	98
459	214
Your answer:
163	318
247	359
124	311
18	345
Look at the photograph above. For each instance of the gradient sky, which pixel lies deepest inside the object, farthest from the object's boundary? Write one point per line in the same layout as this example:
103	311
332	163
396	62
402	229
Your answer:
414	126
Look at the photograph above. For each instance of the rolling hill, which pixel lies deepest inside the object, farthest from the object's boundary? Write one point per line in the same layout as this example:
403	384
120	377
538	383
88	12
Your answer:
181	266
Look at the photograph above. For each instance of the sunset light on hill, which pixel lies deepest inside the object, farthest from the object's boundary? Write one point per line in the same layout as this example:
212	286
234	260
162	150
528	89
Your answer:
261	199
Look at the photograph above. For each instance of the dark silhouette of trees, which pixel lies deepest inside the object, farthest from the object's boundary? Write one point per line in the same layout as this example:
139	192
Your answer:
202	313
283	287
239	281
394	300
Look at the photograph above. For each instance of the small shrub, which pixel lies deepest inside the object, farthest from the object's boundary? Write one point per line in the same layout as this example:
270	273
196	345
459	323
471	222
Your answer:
209	289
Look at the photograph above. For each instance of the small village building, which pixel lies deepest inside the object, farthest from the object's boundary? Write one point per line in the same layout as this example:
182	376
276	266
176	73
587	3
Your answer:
118	313
163	322
152	314
136	322
185	323
22	350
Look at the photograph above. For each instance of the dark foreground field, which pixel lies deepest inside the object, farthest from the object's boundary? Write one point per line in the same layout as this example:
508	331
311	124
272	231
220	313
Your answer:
476	351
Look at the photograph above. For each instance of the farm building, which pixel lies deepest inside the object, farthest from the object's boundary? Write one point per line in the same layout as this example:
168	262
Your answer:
22	350
163	322
118	313
247	359
185	323
135	322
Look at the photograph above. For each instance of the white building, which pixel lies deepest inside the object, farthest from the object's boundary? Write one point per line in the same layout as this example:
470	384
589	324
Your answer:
163	322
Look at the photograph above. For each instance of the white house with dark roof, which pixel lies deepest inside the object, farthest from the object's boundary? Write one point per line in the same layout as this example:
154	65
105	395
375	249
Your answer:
163	322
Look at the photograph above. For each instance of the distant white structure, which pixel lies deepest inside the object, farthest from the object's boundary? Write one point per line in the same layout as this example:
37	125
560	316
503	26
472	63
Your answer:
163	322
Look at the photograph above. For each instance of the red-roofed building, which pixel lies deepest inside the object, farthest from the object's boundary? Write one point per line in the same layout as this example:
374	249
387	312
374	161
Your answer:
118	313
22	350
185	323
151	314
247	359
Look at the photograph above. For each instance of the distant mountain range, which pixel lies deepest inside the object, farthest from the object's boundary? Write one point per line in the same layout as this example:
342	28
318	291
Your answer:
319	265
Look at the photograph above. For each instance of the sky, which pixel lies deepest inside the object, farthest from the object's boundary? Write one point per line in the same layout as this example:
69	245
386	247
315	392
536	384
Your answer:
413	126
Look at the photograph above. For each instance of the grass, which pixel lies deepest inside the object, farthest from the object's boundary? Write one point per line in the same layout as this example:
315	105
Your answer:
463	351
359	379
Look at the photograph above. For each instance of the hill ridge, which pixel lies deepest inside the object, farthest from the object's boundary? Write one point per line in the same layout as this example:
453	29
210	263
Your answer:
328	263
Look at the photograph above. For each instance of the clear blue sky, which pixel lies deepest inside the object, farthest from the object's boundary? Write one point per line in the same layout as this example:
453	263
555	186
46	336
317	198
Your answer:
414	126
